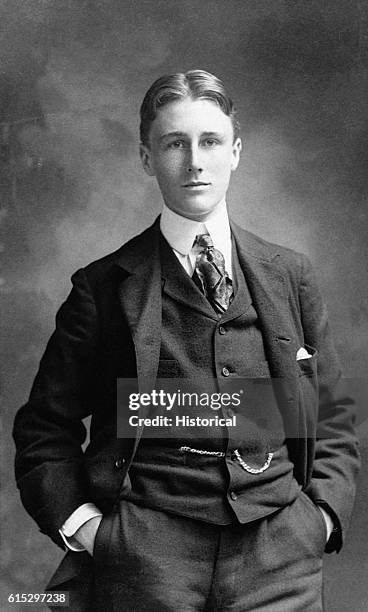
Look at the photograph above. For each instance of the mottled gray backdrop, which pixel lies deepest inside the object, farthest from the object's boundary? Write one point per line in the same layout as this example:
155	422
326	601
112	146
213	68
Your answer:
72	76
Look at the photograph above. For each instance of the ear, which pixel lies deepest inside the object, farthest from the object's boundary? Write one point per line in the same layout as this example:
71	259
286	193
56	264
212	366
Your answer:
146	159
237	147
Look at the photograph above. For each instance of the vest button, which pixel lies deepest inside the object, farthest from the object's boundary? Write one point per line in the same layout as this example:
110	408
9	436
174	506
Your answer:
225	372
233	495
222	330
119	463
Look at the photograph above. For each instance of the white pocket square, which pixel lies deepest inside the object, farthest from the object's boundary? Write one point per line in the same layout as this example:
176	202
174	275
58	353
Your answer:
303	354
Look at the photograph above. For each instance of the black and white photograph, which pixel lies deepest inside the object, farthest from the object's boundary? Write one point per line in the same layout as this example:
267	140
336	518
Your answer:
183	305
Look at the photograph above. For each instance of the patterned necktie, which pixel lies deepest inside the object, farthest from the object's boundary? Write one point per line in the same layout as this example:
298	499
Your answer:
210	268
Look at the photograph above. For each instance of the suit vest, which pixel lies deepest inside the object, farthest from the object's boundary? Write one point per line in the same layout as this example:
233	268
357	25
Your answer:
219	353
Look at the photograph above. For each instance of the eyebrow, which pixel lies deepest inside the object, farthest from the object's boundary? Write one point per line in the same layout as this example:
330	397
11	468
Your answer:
183	135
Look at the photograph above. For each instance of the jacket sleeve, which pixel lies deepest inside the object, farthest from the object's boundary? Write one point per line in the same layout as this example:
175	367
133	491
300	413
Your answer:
336	460
48	429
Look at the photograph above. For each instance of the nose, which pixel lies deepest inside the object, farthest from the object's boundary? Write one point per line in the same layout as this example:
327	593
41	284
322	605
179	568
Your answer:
194	163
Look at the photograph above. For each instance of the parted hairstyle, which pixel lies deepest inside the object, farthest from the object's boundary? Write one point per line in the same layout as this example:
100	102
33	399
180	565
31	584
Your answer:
194	84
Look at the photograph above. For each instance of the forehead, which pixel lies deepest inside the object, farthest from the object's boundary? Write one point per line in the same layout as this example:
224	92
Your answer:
190	117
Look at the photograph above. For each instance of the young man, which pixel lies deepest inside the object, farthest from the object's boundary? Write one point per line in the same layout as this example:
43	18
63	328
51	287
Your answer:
206	518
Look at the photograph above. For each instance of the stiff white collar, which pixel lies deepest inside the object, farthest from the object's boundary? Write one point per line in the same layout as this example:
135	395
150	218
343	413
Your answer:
180	233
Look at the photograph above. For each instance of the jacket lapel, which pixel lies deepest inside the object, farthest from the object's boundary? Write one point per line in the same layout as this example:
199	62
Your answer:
140	299
268	285
269	289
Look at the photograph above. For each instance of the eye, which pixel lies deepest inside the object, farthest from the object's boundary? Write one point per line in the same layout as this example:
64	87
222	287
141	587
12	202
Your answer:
210	142
176	144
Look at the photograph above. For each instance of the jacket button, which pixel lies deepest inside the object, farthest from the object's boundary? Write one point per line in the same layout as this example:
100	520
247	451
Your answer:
119	463
233	495
222	330
225	372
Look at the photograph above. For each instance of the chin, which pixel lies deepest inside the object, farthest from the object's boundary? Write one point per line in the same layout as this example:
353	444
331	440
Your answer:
197	209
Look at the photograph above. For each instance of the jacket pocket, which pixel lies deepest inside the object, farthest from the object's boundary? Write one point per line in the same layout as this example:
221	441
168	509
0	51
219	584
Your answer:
318	521
308	366
99	537
101	547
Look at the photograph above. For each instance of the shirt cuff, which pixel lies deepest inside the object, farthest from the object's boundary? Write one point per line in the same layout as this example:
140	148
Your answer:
80	516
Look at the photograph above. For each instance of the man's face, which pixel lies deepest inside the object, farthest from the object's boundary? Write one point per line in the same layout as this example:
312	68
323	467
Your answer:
191	153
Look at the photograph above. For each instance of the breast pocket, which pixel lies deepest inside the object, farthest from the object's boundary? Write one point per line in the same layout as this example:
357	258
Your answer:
308	365
308	388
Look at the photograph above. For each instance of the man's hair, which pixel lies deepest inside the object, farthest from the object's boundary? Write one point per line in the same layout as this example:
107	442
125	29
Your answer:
194	84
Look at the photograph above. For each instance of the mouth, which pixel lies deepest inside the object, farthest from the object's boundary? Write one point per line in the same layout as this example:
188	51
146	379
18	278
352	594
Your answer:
194	184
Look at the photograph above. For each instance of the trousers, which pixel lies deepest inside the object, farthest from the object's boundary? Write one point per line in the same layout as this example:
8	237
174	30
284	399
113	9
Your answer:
149	560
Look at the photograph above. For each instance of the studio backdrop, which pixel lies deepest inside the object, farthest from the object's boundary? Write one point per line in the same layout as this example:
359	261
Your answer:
72	75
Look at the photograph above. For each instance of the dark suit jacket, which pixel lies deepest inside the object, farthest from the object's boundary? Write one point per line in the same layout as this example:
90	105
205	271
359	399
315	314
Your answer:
110	326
